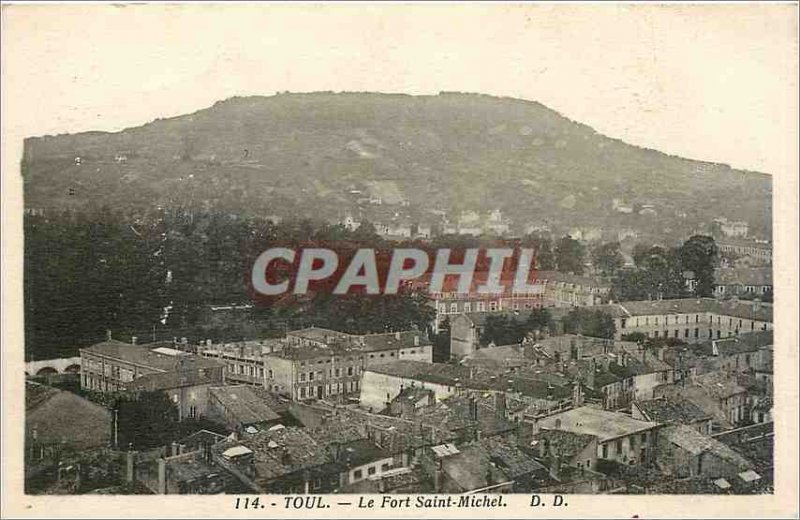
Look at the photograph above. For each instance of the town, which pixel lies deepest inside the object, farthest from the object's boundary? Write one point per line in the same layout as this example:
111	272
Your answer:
582	383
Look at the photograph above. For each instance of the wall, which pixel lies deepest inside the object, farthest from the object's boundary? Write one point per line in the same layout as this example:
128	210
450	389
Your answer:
377	389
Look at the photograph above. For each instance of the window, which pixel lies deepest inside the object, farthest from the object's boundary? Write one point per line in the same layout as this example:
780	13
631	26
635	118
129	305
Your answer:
622	322
697	318
349	371
193	411
696	333
605	451
385	467
492	306
686	333
338	372
443	309
453	308
357	474
302	376
302	392
467	307
371	470
481	306
676	333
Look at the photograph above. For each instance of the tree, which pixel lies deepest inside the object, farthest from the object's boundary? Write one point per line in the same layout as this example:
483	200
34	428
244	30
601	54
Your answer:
607	258
595	323
441	342
570	255
700	255
658	275
146	420
543	251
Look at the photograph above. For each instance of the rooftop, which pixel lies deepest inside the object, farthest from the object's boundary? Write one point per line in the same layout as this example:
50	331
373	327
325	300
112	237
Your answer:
738	309
676	410
603	424
567	444
696	443
147	356
243	404
457	375
755	276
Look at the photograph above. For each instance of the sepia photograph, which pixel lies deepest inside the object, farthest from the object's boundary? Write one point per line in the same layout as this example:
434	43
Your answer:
396	260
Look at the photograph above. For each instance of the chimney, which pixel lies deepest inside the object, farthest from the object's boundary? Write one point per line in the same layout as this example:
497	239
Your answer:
555	463
577	394
174	449
162	476
134	340
108	334
130	474
500	404
416	340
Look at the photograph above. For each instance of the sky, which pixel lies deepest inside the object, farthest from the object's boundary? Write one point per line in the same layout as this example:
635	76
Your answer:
716	83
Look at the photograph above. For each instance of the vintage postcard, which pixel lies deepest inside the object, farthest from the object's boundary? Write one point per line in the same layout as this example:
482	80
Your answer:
399	260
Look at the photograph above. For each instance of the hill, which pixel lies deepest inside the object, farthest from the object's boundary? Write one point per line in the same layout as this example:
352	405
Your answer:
315	155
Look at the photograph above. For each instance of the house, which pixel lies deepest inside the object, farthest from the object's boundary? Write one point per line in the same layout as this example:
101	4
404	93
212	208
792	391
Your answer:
685	452
672	411
620	438
281	460
113	366
738	247
576	450
730	228
753	282
58	421
689	319
485	466
382	383
240	409
716	395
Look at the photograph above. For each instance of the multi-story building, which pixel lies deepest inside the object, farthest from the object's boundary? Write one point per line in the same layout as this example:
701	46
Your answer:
620	438
691	319
756	249
316	363
742	281
548	289
243	360
113	366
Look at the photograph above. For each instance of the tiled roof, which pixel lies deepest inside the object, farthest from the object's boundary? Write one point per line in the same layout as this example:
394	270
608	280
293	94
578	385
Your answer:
745	342
756	276
456	375
738	309
696	443
145	356
718	385
245	406
603	424
318	334
674	410
492	458
394	340
567	444
282	451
